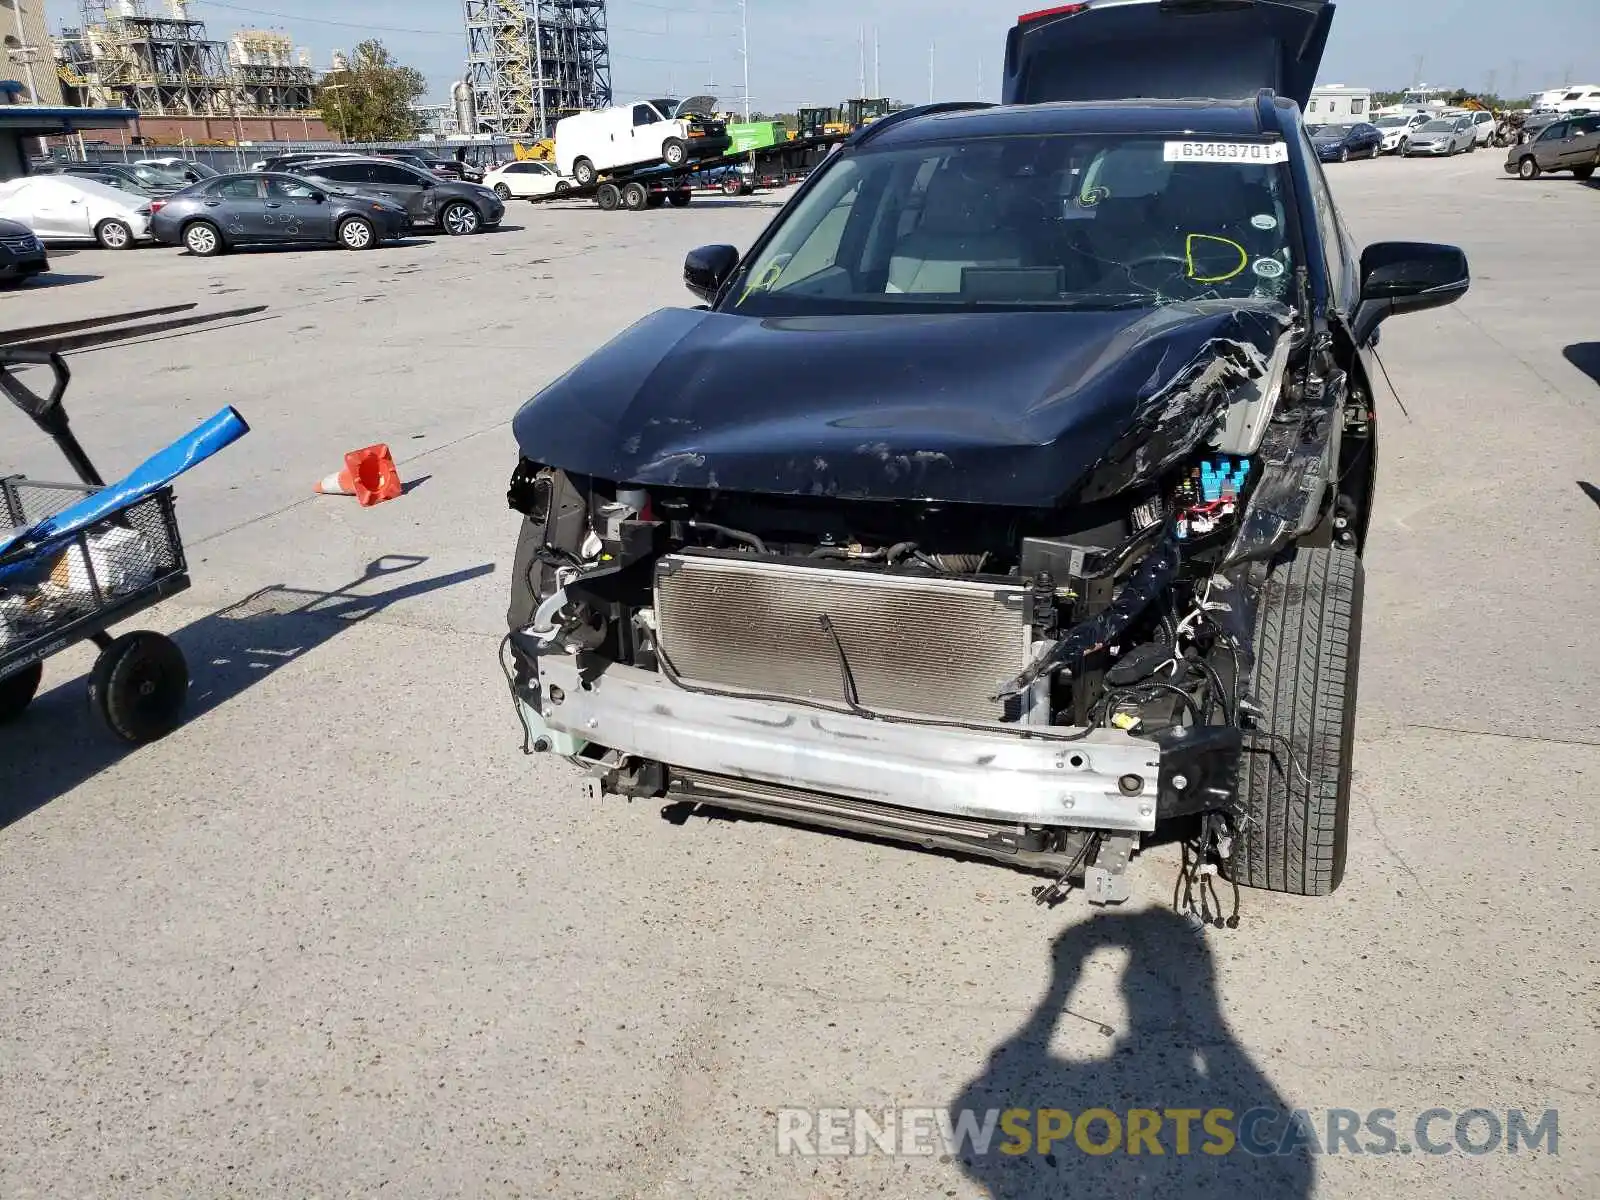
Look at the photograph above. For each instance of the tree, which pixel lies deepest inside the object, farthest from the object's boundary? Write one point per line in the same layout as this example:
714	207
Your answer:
370	98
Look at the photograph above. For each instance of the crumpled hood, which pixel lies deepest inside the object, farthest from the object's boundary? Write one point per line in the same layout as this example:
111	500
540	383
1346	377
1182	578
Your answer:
1015	409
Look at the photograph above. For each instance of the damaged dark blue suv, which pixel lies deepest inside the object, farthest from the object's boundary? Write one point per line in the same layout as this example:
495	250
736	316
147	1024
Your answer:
1008	496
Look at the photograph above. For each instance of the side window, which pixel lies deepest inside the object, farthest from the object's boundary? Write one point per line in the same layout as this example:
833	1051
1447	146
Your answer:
1328	233
519	169
341	174
392	176
643	114
1357	107
1555	133
288	189
238	189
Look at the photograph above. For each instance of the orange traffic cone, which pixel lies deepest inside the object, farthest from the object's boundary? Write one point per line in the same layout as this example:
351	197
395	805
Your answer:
369	475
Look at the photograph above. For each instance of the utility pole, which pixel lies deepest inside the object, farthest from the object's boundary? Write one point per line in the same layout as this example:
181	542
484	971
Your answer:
744	42
877	66
932	48
863	76
980	80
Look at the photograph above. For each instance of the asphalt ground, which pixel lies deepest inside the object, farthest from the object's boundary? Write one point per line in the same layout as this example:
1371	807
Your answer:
338	936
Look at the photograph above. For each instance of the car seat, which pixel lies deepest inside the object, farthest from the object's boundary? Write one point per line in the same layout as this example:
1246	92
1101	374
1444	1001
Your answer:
961	226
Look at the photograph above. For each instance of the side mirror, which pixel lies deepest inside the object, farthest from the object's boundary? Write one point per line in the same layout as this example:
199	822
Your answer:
429	184
1403	277
705	270
318	197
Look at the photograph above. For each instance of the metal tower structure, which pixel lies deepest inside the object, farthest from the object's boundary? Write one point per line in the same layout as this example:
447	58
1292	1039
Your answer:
532	62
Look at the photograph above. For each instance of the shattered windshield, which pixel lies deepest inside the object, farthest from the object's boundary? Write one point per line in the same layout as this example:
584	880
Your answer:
1061	221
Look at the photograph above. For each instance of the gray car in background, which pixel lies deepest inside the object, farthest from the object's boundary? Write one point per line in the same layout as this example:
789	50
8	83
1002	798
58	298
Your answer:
1444	137
260	207
1566	144
455	206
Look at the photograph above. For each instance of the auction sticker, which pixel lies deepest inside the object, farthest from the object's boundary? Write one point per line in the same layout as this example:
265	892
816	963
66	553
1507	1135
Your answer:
1269	268
1265	153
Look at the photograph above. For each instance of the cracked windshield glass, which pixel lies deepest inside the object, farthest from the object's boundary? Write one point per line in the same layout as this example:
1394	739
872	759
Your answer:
1033	223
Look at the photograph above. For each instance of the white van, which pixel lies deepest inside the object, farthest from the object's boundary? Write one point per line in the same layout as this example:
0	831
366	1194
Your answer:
636	135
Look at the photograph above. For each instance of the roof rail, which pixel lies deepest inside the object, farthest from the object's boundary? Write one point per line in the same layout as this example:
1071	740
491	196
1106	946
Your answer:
922	110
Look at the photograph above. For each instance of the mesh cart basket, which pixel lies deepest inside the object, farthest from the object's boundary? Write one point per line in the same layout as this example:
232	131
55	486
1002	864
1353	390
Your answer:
58	591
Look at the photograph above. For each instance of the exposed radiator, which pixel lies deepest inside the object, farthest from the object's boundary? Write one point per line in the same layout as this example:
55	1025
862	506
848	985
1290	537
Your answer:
920	646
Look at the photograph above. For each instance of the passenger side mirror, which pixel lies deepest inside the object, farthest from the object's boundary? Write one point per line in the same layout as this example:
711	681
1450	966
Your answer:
705	270
318	197
1403	277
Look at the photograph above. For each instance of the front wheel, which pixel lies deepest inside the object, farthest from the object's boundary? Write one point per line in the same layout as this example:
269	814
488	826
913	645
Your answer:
502	191
203	239
113	234
357	233
1405	147
674	152
583	171
459	219
1583	172
1294	782
139	686
562	186
1344	154
1529	167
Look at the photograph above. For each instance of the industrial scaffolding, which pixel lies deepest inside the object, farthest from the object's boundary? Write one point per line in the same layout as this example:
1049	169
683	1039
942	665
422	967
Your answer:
121	56
532	62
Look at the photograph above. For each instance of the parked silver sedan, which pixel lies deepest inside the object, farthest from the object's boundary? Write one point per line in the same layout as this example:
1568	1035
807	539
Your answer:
1443	138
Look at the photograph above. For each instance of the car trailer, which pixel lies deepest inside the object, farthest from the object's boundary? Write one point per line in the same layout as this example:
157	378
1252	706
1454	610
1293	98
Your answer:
72	588
640	188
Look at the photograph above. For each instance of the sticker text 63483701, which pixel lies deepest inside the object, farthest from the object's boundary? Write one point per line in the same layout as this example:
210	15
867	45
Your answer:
1264	153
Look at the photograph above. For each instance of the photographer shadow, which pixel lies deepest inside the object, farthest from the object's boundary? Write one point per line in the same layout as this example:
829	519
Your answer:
1177	1053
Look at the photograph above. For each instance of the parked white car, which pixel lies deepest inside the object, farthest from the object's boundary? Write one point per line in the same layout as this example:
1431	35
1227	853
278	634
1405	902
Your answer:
66	208
1397	130
637	135
523	179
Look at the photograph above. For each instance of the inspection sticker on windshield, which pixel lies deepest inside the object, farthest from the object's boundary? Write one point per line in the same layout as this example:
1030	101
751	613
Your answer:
1228	152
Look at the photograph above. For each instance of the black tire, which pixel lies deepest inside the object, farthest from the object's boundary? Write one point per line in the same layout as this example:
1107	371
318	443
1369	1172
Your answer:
357	233
635	197
732	187
609	197
1529	168
139	686
656	200
1583	172
17	691
1405	147
1308	653
583	171
203	239
459	219
502	191
113	234
674	152
1344	153
562	186
680	199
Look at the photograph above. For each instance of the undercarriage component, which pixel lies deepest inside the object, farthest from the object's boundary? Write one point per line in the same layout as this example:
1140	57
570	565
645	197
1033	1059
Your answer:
1101	779
1029	849
925	646
1105	881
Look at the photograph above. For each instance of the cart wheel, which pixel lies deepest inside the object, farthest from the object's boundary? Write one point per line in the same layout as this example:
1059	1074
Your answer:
16	691
139	686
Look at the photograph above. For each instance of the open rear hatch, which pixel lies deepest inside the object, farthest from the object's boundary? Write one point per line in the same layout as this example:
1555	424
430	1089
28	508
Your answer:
1167	49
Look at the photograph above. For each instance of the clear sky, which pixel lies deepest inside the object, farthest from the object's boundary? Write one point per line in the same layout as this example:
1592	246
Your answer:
808	51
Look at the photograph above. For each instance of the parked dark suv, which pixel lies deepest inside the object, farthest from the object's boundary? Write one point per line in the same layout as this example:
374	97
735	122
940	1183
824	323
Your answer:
453	205
1044	527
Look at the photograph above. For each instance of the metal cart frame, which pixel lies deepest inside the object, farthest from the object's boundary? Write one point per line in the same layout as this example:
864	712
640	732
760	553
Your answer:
140	680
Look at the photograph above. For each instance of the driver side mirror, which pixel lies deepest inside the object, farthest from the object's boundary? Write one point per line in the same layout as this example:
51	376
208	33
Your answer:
705	270
318	197
1403	277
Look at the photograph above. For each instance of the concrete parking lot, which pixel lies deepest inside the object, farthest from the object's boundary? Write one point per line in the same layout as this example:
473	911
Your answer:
337	935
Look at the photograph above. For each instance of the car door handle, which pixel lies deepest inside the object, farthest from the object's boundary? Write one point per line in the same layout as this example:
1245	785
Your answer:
273	204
